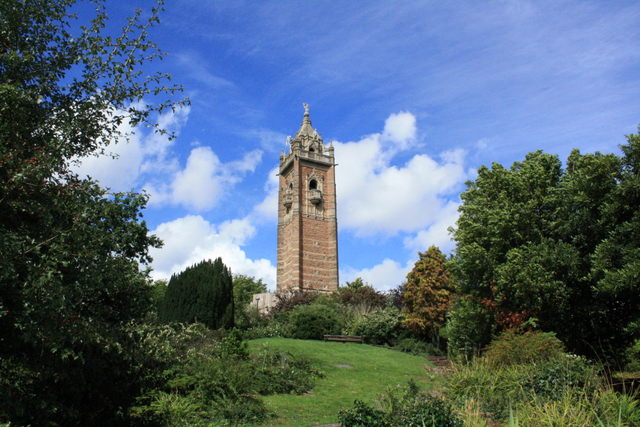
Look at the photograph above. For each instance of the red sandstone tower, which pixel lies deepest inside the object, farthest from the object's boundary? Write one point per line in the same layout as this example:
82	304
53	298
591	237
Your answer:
307	224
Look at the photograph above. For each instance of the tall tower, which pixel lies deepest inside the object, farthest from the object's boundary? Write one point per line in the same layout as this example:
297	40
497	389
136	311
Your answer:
307	224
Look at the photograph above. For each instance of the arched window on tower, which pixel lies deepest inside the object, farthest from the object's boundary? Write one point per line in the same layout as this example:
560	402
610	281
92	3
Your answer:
313	184
311	149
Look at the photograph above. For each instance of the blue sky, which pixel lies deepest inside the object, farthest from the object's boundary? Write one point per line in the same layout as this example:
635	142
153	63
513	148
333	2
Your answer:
416	95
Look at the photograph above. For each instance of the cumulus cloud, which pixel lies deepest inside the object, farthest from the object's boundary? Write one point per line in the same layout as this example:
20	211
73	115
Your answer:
119	167
191	239
400	129
268	208
376	196
383	276
134	154
437	232
204	179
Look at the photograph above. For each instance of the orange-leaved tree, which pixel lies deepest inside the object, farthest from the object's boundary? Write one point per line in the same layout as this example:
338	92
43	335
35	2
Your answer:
427	294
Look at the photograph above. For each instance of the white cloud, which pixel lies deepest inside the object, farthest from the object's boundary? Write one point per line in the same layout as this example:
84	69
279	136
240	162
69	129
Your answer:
191	239
204	179
400	129
268	208
384	276
134	153
377	196
119	167
437	232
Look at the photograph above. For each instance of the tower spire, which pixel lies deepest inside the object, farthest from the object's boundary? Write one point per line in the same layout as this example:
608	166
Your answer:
306	128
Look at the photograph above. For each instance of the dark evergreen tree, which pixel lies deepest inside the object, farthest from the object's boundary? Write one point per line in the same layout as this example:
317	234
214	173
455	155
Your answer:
201	293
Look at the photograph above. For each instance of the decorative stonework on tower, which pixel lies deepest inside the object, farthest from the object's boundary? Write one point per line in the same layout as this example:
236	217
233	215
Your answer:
307	223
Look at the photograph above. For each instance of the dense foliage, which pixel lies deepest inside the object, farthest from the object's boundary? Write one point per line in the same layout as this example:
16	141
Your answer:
193	378
378	327
470	327
360	297
427	294
565	390
404	407
70	252
201	293
512	348
558	244
313	321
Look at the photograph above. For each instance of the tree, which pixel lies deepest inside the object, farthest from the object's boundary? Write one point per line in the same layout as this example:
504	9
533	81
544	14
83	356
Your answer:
70	253
427	294
560	245
361	297
201	293
244	287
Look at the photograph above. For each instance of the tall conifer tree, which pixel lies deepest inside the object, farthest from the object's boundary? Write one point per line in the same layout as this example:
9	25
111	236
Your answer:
201	293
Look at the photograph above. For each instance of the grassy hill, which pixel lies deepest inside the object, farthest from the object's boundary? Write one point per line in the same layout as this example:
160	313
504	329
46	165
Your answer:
352	371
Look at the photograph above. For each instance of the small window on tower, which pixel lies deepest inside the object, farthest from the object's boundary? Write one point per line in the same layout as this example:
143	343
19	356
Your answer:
311	149
313	184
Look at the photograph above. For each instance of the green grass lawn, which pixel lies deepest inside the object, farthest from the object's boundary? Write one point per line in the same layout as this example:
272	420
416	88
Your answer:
370	371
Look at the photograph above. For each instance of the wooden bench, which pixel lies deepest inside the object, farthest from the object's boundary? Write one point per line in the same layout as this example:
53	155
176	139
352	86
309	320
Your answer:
344	338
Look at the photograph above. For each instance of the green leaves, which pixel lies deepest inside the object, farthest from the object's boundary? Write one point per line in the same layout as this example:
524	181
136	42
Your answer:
558	244
427	294
201	293
70	253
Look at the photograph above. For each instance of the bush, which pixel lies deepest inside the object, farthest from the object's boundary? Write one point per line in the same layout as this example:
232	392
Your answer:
577	408
378	327
288	300
497	389
363	299
402	406
282	372
632	354
313	321
197	378
362	415
512	347
274	328
408	406
417	347
549	379
469	328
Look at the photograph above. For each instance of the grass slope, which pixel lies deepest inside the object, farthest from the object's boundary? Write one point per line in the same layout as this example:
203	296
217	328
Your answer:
371	371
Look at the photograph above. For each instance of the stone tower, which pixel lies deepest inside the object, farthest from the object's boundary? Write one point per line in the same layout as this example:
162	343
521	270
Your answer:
307	224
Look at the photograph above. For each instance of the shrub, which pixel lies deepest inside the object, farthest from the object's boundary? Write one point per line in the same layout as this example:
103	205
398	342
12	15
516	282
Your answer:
288	300
512	347
198	379
282	372
417	347
408	406
274	328
363	299
497	389
549	379
362	415
379	327
313	321
402	406
576	408
469	327
632	354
